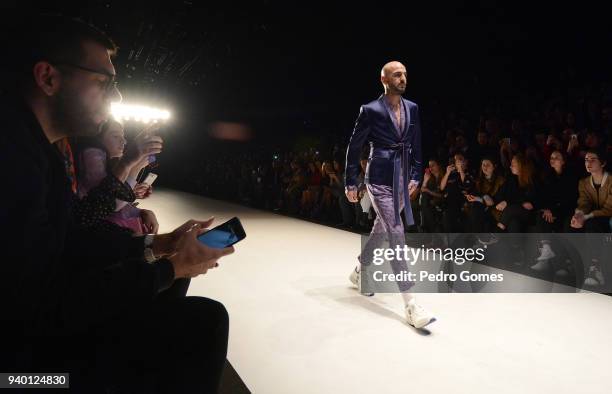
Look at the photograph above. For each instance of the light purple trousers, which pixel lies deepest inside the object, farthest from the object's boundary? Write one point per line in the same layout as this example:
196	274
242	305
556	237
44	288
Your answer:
385	227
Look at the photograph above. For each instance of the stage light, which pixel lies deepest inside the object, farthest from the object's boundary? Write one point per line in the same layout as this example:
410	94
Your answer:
138	113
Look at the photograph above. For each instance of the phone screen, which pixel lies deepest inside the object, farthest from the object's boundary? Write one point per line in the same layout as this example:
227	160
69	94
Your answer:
224	235
150	178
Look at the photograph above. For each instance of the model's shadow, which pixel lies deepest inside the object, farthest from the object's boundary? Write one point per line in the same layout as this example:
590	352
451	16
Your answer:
373	304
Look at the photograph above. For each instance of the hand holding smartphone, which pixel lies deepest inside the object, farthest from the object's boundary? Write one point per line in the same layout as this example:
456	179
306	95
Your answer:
150	179
224	235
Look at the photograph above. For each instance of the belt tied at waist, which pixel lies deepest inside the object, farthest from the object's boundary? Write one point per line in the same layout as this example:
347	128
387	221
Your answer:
399	154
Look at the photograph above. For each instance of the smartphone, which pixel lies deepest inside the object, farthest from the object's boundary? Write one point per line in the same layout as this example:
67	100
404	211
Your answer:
224	235
150	179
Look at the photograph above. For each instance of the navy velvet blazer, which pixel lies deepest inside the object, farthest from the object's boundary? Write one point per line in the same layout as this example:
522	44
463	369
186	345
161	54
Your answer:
375	126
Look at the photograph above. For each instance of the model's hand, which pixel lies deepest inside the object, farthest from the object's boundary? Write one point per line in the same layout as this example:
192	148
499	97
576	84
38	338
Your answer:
528	206
413	186
501	206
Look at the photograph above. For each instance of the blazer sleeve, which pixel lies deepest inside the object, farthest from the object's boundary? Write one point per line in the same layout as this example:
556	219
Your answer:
353	151
416	156
606	207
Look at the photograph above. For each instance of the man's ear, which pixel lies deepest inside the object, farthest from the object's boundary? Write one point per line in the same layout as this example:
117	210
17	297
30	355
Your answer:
46	77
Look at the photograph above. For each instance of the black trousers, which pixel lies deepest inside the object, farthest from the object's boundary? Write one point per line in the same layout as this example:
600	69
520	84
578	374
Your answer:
560	225
453	220
480	219
176	344
516	218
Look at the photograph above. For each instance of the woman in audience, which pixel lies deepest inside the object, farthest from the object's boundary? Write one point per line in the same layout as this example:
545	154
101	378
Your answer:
594	210
456	182
97	161
432	198
517	199
558	195
482	214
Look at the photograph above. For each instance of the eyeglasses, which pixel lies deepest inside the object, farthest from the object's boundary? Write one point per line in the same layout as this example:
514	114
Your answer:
107	85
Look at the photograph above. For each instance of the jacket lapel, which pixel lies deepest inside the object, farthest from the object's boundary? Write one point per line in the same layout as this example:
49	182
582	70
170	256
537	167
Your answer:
408	118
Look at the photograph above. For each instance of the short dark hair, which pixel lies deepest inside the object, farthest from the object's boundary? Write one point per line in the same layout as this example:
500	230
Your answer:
54	38
602	155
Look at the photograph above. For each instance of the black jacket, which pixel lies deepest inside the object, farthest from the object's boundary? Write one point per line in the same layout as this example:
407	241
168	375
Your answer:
55	276
560	192
513	194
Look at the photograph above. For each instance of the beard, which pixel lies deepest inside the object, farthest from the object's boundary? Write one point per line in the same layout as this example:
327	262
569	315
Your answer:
71	115
399	89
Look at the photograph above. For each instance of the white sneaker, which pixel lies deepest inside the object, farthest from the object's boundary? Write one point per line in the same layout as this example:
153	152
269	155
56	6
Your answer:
546	253
417	316
355	278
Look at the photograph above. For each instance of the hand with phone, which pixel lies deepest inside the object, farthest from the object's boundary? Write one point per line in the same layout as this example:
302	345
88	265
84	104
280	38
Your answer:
192	257
224	235
142	191
145	189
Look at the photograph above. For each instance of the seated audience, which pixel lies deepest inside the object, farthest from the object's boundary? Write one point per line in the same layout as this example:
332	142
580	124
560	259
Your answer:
97	162
517	199
482	214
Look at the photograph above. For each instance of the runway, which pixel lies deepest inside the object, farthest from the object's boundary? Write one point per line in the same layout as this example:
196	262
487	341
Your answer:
296	325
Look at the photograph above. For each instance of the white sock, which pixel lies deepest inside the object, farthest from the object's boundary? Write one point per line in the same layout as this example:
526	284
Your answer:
407	298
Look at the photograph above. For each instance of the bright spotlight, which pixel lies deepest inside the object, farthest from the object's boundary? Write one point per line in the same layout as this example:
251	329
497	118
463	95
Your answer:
139	113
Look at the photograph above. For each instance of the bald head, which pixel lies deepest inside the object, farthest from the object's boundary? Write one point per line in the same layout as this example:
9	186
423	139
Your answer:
390	67
393	77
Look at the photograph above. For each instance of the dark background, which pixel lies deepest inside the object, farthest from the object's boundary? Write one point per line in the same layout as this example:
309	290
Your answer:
295	74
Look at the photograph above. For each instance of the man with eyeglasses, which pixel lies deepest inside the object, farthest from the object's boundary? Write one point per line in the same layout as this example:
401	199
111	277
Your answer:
94	305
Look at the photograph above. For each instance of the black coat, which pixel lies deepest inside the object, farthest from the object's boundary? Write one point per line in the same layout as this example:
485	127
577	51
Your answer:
57	278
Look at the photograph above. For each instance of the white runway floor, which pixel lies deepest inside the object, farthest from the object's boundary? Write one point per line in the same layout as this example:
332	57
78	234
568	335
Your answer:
296	325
